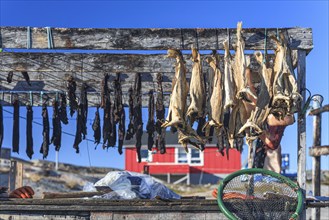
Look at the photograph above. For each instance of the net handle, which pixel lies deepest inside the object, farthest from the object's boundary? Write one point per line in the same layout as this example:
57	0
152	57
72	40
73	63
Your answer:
227	213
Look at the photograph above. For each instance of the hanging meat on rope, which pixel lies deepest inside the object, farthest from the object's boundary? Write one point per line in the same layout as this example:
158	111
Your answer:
196	110
119	113
229	84
84	110
113	130
10	77
229	95
177	106
285	91
45	131
130	130
62	110
79	128
15	140
107	116
1	127
150	127
106	121
104	90
216	103
57	127
160	116
71	88
138	122
26	77
197	90
239	113
29	136
122	130
97	127
210	84
256	122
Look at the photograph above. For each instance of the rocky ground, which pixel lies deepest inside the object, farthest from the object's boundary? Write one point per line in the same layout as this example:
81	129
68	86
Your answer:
42	177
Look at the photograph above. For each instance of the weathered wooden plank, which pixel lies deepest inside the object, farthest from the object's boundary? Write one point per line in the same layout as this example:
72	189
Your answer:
77	207
103	202
301	126
149	38
57	81
93	99
41	216
55	195
85	63
320	110
317	151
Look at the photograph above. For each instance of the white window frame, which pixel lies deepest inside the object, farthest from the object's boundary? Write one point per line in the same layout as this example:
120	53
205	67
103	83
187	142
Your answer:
189	159
149	157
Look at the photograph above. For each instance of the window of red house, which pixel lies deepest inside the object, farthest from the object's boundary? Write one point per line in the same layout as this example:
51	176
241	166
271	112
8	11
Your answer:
193	157
146	155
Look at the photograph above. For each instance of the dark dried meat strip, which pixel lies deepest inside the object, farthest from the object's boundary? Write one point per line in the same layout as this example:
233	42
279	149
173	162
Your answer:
57	127
71	87
97	127
138	122
15	140
29	137
62	110
130	130
45	132
150	127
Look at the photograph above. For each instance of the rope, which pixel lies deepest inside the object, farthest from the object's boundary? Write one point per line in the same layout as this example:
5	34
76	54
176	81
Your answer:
89	156
182	38
31	98
228	37
196	39
217	44
49	38
41	95
28	38
265	46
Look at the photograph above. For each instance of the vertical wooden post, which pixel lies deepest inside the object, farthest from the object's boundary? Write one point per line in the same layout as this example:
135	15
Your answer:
301	130
316	169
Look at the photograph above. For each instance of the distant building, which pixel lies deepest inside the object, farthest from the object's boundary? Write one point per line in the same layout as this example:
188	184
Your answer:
4	166
5	154
176	166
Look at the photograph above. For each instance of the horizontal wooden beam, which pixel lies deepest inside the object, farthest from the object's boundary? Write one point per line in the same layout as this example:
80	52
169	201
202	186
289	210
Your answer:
320	110
93	99
149	38
84	63
316	151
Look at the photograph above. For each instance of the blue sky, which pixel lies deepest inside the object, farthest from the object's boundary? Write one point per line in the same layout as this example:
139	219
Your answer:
171	14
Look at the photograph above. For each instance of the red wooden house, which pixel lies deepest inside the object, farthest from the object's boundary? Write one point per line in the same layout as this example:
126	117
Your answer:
176	165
